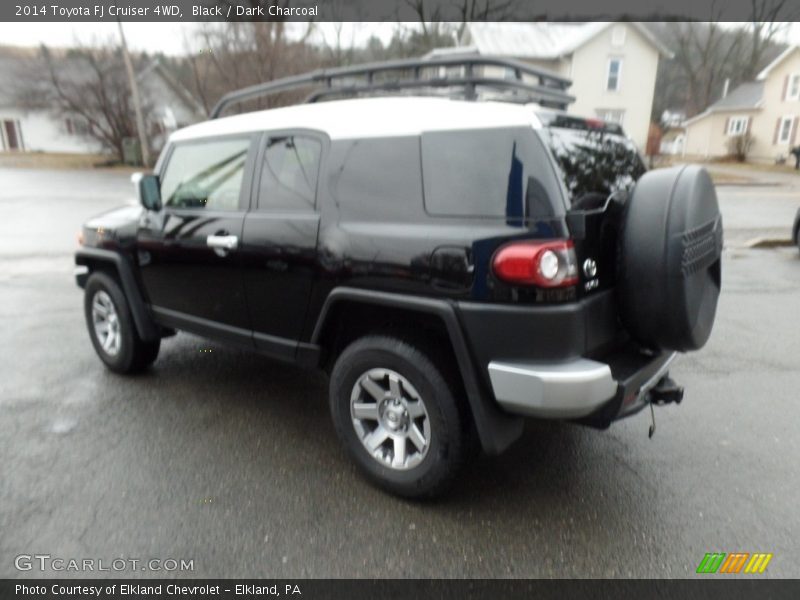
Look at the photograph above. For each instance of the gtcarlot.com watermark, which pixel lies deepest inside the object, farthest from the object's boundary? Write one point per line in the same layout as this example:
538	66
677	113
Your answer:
46	562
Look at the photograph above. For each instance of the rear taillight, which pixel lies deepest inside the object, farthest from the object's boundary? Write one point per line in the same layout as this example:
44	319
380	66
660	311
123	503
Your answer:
550	263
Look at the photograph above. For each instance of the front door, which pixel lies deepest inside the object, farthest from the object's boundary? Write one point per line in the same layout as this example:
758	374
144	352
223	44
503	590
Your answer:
189	251
11	131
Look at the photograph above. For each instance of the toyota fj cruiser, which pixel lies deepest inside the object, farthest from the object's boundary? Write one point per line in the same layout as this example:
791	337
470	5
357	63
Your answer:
455	265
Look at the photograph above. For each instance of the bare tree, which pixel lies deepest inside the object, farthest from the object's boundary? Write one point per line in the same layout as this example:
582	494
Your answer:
705	55
432	14
87	86
484	10
769	19
227	56
708	54
339	47
430	31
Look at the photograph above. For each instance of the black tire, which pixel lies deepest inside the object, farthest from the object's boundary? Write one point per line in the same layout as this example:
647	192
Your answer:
448	444
132	355
669	271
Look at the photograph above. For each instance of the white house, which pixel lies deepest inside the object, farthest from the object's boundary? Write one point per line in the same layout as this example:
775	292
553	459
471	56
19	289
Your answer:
26	129
612	65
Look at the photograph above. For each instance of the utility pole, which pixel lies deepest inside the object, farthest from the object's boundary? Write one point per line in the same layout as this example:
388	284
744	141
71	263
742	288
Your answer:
137	105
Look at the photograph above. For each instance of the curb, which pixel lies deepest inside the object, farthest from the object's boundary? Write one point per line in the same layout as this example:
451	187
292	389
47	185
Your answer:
766	242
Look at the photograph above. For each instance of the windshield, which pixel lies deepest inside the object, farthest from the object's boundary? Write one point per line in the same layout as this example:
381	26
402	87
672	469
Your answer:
594	161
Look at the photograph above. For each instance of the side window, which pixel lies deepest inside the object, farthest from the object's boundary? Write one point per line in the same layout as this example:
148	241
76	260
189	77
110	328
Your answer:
289	173
378	178
205	174
503	172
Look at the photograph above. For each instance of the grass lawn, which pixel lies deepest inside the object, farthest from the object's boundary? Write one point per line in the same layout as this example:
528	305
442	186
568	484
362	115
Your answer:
720	178
48	160
763	167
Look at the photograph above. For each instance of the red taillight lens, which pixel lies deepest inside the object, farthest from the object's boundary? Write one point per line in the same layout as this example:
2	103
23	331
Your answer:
549	263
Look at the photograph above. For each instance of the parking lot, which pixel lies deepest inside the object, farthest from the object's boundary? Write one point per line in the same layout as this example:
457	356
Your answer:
229	459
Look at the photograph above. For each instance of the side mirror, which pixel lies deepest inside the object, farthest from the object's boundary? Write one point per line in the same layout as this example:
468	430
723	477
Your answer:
148	189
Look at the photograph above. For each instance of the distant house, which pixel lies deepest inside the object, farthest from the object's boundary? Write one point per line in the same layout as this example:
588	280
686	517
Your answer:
612	65
40	129
672	141
766	109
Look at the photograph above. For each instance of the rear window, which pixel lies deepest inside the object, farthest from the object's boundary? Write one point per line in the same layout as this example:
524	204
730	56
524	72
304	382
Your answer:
594	161
502	172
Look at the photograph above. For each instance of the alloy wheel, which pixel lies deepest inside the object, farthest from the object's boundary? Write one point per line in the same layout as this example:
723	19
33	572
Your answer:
390	419
106	323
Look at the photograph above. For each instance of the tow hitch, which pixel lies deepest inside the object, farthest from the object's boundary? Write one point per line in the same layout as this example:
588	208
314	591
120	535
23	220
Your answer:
665	391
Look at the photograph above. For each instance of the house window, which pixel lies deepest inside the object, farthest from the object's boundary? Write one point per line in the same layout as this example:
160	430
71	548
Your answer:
618	35
737	126
614	74
793	91
77	126
785	130
610	115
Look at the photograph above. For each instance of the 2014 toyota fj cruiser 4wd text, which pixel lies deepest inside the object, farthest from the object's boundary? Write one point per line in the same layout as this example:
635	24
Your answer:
455	265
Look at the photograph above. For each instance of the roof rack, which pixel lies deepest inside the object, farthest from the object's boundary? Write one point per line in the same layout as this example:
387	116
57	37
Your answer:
528	84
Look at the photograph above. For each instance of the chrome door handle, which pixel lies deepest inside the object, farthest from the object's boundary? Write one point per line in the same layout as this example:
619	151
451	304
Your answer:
222	244
225	242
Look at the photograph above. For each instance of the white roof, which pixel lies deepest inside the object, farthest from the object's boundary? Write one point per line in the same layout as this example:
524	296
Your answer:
543	41
778	60
370	117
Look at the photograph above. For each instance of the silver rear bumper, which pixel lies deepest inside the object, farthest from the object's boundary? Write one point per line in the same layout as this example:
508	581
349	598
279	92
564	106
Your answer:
565	390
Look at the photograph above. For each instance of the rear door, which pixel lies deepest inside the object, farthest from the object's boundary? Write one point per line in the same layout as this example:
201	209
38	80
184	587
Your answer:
279	240
189	251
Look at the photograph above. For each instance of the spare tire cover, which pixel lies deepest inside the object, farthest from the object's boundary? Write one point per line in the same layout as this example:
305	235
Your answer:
669	259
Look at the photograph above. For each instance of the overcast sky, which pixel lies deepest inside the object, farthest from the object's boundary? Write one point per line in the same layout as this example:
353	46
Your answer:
169	38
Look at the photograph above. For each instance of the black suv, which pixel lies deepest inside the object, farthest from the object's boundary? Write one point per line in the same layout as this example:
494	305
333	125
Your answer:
455	265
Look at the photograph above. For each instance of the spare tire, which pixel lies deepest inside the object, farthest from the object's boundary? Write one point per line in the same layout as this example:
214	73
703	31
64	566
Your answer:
669	256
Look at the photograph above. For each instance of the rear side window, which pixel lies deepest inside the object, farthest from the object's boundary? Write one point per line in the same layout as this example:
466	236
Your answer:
289	173
378	177
205	174
490	173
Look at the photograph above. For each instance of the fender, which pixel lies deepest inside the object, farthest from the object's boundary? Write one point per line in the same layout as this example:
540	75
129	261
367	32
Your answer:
145	326
497	430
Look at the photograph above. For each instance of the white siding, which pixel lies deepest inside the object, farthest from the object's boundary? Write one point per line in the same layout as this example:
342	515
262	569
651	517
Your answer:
41	132
637	80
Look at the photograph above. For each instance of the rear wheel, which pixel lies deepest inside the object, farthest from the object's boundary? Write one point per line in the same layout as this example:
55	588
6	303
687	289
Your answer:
111	327
396	414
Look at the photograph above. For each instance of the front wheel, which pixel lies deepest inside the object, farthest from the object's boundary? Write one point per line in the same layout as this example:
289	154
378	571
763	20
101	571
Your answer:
395	412
111	327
